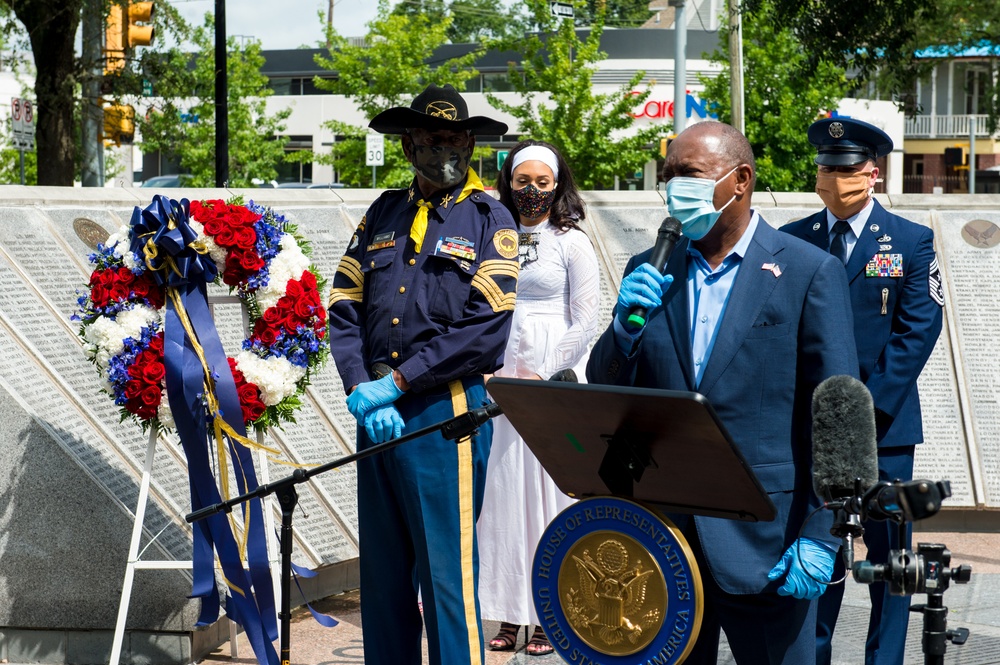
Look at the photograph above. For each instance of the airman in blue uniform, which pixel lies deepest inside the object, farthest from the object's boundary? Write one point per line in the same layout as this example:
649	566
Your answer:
420	309
896	298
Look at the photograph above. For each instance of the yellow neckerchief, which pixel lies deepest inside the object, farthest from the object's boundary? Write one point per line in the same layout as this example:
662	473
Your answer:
419	227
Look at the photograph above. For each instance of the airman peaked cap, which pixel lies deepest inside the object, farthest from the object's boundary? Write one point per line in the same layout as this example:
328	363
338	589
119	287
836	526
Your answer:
435	108
845	141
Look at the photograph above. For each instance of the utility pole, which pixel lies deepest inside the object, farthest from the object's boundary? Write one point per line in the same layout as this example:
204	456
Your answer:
92	146
221	97
680	65
736	64
329	17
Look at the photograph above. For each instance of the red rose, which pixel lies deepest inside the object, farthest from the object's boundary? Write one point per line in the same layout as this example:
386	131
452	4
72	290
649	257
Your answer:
272	315
268	336
99	295
225	237
151	396
292	324
308	280
256	411
294	289
248	393
118	292
251	261
156	344
285	304
153	373
213	226
233	276
304	309
321	315
245	237
237	374
133	388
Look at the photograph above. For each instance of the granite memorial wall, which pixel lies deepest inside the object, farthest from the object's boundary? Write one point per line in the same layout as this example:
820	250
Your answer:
69	469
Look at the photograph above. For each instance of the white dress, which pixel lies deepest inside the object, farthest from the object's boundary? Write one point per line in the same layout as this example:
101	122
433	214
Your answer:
555	318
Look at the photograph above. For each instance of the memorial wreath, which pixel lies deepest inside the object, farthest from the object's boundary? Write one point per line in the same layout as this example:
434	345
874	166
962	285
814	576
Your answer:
147	324
252	249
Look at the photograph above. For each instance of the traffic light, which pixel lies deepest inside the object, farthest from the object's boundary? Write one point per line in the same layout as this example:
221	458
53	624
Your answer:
119	124
665	144
124	31
114	44
136	34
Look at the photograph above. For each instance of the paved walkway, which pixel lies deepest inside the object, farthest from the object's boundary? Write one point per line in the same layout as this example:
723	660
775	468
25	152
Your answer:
975	606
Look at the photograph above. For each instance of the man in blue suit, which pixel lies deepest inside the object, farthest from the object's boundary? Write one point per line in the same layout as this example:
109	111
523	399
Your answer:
753	319
896	299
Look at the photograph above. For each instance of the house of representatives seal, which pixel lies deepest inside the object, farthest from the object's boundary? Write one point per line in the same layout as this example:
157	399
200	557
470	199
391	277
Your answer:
614	583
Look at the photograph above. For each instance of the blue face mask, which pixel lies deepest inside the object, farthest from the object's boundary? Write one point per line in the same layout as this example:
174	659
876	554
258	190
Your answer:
691	201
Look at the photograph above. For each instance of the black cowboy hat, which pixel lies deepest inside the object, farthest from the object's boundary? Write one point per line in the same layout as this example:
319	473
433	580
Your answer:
435	108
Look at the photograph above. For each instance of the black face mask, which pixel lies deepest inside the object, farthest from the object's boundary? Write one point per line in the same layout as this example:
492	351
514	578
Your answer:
442	166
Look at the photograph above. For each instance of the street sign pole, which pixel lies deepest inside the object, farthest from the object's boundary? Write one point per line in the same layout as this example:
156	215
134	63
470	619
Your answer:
21	152
373	176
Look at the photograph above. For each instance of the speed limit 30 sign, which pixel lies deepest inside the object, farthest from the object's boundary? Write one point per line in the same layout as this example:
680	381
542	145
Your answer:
374	150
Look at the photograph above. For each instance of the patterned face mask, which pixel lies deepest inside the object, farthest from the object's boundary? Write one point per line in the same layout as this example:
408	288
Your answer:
531	202
443	166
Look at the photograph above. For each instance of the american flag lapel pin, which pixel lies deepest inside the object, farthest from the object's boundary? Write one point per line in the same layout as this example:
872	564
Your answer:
773	267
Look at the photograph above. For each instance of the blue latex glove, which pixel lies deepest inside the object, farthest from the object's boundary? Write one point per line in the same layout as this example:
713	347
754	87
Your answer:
371	394
805	554
644	287
383	424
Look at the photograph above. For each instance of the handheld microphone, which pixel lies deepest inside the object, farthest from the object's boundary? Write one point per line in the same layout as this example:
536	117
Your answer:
666	238
845	454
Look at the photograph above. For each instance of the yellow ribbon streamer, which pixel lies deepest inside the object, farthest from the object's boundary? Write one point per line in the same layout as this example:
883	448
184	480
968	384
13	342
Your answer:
419	227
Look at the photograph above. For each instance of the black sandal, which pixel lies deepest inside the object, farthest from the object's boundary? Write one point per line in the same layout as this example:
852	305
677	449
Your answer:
506	639
538	645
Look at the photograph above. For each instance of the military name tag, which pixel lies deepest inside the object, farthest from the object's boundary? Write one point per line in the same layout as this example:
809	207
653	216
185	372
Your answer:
382	241
885	265
614	583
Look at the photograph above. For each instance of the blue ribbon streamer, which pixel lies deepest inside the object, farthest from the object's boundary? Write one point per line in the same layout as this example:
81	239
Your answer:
162	234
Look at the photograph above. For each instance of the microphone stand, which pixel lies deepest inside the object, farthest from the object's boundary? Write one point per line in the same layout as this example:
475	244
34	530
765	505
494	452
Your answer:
452	429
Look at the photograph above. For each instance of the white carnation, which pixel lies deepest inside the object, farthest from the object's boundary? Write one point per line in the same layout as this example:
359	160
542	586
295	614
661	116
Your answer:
215	252
163	412
290	263
276	377
105	337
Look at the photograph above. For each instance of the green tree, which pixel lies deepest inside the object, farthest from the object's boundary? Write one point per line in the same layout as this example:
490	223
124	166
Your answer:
389	71
617	13
785	92
51	27
471	20
182	122
594	132
868	37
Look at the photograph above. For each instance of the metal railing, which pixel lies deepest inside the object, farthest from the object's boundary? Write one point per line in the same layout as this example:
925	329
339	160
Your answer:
925	184
945	126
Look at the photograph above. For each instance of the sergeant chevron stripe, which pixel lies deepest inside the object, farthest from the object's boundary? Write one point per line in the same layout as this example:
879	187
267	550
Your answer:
486	280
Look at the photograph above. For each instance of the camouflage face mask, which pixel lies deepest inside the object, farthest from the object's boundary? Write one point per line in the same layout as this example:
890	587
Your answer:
443	166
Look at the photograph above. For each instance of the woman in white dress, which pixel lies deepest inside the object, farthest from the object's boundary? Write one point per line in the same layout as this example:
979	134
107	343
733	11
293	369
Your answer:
555	319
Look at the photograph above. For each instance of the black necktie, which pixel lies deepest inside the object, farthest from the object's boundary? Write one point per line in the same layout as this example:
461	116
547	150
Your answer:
838	246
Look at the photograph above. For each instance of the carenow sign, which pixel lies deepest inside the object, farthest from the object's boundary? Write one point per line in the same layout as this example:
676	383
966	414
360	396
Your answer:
659	109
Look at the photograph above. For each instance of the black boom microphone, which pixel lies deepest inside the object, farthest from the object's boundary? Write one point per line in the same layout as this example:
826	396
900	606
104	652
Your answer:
666	238
845	453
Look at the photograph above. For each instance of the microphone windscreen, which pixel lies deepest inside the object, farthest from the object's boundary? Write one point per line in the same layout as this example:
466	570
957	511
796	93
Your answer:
844	439
566	375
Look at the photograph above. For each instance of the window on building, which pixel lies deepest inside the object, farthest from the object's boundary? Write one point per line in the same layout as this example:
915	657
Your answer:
296	171
976	90
497	82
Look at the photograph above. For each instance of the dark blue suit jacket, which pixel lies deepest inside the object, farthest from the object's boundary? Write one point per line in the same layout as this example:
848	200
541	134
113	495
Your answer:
778	338
892	346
